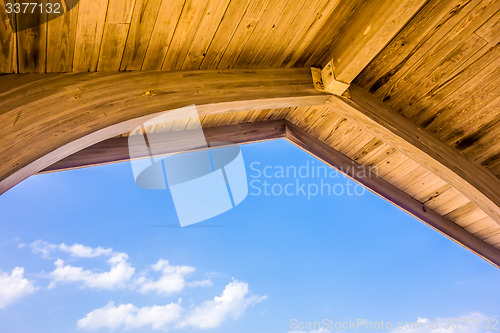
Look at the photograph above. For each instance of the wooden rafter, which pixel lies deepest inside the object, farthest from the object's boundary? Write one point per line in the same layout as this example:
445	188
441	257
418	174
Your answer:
49	117
473	181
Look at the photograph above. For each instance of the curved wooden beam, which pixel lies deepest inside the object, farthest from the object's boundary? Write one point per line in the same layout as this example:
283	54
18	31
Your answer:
46	117
475	182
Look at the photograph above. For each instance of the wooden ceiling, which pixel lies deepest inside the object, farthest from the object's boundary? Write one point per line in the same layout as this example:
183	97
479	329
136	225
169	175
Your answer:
434	63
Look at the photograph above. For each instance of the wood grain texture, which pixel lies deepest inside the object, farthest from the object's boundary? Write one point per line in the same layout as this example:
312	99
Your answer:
141	27
393	194
90	27
161	37
69	112
8	41
32	43
365	33
473	181
61	32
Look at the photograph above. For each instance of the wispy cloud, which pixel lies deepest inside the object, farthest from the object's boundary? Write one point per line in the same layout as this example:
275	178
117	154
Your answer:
14	286
172	279
473	322
78	250
210	314
118	276
129	316
231	304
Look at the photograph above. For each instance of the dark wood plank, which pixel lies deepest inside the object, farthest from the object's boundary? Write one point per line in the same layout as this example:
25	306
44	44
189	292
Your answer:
116	149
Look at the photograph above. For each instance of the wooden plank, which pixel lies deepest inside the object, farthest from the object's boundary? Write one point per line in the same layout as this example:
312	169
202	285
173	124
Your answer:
317	42
473	181
8	41
32	42
459	26
412	37
226	48
116	149
115	33
61	32
462	82
264	27
303	25
161	37
280	32
113	44
69	112
366	33
392	194
89	31
489	30
207	29
120	11
186	28
139	35
442	64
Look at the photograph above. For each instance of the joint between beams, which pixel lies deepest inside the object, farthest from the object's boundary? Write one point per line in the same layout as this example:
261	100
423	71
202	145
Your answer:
324	80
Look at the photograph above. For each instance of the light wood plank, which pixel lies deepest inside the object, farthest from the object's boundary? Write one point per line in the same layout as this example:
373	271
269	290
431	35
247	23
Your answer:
186	29
90	27
161	36
61	32
141	27
207	29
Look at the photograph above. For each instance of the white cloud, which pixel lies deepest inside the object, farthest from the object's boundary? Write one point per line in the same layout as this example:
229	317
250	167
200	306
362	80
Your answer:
14	286
77	250
473	322
117	277
231	304
172	279
129	316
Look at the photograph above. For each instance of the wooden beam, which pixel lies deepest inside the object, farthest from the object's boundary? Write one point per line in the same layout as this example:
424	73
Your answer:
116	149
475	182
46	117
368	29
391	193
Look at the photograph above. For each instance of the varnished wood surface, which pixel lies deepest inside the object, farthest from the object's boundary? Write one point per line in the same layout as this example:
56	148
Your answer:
59	115
442	71
476	183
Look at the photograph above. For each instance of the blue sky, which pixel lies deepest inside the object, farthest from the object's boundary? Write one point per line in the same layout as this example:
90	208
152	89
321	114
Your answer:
94	252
